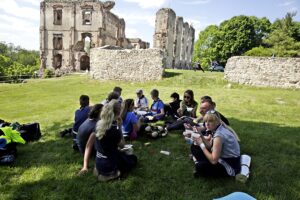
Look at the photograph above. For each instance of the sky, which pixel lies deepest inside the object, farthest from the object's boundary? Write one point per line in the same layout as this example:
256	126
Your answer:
19	19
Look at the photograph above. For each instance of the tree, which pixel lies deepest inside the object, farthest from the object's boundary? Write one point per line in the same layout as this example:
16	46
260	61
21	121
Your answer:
205	47
233	37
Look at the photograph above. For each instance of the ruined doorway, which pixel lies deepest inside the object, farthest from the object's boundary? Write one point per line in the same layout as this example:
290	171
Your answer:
85	62
57	61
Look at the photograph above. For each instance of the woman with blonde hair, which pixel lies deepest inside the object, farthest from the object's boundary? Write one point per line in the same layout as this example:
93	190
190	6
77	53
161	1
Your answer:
110	161
219	154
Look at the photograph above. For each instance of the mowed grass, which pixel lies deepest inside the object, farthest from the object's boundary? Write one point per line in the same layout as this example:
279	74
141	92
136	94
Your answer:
266	119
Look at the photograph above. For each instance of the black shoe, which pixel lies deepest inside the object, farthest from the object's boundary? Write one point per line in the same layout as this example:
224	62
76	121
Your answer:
196	174
64	132
75	147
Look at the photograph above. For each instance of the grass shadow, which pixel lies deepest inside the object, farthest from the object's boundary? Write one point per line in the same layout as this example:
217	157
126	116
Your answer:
168	74
49	167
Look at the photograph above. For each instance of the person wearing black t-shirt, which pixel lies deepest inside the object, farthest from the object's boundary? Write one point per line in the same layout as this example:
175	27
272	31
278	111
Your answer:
110	161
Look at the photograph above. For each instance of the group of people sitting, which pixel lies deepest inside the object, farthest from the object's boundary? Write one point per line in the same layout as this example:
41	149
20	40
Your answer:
103	128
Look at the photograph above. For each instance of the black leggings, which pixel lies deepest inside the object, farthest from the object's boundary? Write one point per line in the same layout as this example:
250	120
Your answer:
204	167
179	124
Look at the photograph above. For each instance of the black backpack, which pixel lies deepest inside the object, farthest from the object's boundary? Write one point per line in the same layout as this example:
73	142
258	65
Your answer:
30	132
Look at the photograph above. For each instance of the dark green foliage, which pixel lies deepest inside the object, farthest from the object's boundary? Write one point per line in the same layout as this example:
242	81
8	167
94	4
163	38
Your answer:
17	63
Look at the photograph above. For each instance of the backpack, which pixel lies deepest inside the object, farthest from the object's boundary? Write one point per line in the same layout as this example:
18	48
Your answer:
30	132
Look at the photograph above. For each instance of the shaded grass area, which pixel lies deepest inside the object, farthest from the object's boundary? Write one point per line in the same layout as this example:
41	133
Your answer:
266	119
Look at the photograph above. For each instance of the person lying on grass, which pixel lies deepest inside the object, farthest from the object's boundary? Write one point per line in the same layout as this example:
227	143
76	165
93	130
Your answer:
216	155
110	161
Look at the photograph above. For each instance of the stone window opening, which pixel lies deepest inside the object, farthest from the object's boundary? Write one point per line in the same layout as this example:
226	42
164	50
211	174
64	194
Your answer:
57	42
57	61
87	40
57	17
87	17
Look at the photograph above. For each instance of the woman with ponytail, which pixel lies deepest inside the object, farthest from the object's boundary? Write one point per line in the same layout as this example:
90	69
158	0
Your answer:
110	161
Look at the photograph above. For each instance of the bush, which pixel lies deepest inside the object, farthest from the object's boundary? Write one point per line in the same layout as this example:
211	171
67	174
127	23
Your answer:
48	73
260	51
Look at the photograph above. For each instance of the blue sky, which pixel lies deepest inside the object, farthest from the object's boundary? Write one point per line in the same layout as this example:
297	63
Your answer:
19	19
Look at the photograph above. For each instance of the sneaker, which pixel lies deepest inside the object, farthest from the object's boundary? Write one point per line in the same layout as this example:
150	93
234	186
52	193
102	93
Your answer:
165	133
113	176
196	174
63	133
75	147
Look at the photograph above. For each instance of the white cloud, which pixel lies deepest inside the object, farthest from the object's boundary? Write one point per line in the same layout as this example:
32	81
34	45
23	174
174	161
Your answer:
287	3
149	3
19	32
132	19
13	8
132	33
33	2
194	2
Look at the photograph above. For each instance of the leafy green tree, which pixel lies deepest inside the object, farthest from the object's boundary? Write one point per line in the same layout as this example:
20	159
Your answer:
233	37
206	46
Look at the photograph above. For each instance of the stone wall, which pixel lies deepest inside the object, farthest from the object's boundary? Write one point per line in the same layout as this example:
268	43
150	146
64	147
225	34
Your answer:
107	63
175	37
264	71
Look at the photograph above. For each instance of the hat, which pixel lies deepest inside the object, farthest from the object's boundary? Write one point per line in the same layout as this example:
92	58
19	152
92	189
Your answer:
139	91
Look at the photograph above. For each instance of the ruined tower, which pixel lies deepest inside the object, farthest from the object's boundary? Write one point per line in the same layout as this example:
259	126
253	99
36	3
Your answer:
175	37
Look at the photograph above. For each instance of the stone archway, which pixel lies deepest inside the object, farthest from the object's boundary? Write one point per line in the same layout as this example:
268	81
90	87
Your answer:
57	61
85	62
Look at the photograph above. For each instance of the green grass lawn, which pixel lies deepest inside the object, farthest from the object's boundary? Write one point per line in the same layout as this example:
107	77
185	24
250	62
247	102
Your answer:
266	119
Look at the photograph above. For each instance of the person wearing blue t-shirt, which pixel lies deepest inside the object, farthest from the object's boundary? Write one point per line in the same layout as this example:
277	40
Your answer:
131	124
157	111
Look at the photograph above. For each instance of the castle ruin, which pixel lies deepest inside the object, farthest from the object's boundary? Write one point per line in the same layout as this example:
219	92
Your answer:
176	37
69	28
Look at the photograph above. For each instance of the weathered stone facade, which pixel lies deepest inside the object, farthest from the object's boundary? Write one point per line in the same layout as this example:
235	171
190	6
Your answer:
69	28
175	37
264	71
109	63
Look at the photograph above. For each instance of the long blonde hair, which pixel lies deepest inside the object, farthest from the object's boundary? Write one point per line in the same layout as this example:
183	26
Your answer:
108	115
214	118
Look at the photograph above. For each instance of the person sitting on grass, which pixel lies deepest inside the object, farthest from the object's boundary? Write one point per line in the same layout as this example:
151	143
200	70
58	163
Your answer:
141	102
92	139
110	161
112	95
131	124
187	112
88	127
157	111
172	107
216	155
81	115
208	104
118	90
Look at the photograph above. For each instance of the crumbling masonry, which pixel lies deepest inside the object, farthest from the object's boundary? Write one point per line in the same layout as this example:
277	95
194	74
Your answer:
175	37
69	28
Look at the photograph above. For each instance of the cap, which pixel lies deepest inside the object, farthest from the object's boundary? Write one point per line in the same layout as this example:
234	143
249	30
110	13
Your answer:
139	91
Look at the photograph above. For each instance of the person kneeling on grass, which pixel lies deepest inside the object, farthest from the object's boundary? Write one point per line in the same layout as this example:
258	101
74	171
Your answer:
110	161
131	124
219	154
